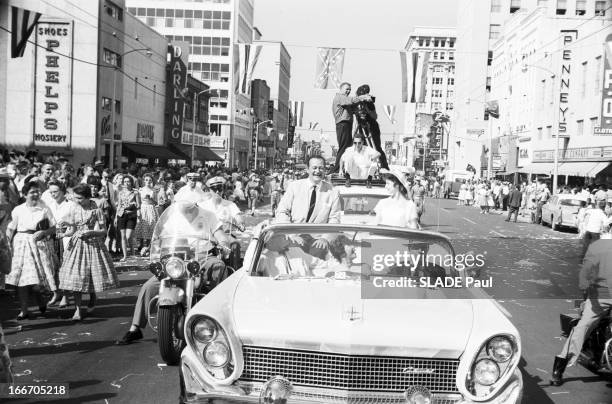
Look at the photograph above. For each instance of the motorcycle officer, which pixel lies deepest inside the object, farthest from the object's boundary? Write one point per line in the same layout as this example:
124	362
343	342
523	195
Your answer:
208	223
595	274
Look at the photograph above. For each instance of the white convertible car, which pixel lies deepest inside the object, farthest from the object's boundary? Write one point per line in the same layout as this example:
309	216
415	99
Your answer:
305	322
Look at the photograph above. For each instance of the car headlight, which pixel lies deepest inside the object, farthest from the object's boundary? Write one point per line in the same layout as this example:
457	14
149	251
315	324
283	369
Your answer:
204	330
500	348
175	268
486	372
216	354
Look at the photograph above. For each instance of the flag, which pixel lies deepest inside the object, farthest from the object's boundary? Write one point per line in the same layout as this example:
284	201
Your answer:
313	125
492	108
22	25
390	111
297	110
414	75
244	64
606	100
330	63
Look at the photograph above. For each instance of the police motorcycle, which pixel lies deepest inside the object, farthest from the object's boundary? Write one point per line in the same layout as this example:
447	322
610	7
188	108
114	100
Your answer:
596	354
180	248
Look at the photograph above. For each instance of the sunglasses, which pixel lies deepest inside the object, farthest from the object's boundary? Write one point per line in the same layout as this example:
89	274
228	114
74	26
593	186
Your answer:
357	142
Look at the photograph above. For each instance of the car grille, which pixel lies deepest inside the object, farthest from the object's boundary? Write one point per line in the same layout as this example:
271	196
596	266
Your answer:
349	372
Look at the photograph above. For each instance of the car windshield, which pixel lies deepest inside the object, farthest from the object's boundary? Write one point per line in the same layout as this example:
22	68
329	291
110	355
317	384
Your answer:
351	253
359	204
180	231
570	202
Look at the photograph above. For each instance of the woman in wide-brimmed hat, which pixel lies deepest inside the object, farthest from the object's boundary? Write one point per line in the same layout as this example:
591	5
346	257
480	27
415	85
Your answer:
396	210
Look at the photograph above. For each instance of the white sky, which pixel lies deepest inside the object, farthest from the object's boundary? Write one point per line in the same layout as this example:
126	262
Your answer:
304	25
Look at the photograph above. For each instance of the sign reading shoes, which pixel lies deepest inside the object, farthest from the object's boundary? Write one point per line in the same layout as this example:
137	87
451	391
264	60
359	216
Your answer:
53	82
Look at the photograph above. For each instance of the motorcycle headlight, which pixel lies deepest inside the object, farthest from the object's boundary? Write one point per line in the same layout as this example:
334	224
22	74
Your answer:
500	349
204	330
216	354
175	268
486	372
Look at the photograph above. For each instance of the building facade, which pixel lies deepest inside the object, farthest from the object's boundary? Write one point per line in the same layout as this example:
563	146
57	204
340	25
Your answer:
274	66
439	43
547	74
260	101
211	28
92	82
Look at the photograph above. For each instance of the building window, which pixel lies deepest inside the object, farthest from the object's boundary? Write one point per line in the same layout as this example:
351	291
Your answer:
561	7
442	55
436	43
539	133
435	55
114	11
600	8
436	93
451	69
542	3
420	42
449	106
580	7
584	80
580	127
489	58
451	43
437	80
436	106
150	21
443	43
188	23
450	94
597	73
451	55
169	23
117	107
494	31
451	81
549	132
594	124
112	58
106	103
427	42
212	71
515	5
438	69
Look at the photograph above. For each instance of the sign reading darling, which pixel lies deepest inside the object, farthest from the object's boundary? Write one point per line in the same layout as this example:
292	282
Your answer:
176	84
53	82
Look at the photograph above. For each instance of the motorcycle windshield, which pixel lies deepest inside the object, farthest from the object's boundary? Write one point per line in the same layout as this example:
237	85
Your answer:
178	232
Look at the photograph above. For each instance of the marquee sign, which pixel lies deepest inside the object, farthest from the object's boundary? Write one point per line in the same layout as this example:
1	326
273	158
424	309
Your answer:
568	36
53	84
606	102
176	83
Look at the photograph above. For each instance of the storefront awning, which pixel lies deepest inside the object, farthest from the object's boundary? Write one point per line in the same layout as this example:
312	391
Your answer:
538	168
582	168
202	153
150	151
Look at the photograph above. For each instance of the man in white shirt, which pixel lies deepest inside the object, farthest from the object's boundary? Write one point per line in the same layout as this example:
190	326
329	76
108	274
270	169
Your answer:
359	161
595	222
190	192
310	200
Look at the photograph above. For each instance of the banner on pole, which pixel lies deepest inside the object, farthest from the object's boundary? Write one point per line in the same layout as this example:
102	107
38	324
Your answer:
414	76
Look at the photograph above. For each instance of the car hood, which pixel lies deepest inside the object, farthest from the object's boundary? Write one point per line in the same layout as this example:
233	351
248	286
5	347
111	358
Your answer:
330	316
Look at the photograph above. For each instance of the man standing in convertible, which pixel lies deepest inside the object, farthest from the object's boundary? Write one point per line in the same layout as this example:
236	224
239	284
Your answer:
359	161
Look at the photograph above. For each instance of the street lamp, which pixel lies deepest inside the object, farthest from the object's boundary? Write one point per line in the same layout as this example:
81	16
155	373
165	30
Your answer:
257	138
111	155
524	69
195	104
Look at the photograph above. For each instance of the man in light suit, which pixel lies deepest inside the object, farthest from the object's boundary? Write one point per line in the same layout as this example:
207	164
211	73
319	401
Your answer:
310	200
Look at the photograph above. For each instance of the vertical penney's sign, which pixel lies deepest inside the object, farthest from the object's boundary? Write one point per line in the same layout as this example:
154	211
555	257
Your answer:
568	37
53	84
175	90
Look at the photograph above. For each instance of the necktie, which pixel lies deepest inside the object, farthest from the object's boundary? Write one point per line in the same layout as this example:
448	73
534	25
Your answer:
313	201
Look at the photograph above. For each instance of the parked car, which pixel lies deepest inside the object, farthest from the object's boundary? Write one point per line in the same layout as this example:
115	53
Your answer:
453	179
287	328
562	210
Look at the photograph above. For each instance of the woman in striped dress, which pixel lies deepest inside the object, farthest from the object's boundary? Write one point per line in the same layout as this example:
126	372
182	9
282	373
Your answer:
34	260
88	266
148	214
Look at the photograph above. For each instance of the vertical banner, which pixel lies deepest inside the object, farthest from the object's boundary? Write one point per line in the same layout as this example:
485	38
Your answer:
176	85
414	75
330	64
390	112
568	37
297	110
606	101
22	24
246	57
53	84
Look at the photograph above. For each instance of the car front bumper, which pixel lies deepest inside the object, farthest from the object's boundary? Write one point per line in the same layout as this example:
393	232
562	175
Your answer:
195	390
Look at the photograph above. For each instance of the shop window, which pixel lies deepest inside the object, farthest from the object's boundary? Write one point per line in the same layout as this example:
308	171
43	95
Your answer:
561	7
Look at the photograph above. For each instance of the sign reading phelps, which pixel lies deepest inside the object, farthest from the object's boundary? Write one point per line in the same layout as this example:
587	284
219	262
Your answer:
176	84
53	82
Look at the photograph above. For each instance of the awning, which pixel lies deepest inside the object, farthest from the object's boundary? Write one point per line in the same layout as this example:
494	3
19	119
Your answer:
538	168
582	168
150	151
202	153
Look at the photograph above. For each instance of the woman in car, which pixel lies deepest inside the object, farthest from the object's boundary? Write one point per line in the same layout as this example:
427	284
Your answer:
396	210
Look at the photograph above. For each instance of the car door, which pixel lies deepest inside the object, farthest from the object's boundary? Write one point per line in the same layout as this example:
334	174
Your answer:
547	208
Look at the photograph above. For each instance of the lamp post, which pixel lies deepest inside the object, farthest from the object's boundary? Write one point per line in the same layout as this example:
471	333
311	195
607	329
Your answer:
195	104
257	139
524	69
111	155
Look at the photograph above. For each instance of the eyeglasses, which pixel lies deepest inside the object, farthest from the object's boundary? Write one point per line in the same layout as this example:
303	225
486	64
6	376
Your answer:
357	142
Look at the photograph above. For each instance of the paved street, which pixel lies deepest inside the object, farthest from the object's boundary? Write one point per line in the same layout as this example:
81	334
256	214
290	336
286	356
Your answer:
529	261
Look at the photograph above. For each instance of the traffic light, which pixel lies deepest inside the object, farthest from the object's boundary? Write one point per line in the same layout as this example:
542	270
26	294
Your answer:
271	109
